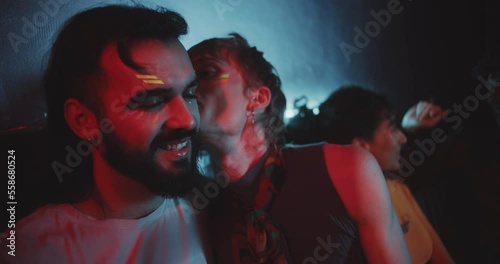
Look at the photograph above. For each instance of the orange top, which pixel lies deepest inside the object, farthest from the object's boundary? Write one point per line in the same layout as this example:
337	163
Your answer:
422	241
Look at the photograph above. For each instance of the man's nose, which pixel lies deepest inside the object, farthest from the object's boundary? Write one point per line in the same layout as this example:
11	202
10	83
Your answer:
180	116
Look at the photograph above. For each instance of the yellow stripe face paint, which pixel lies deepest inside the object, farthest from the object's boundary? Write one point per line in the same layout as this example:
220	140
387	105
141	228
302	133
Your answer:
150	79
222	76
145	76
153	81
219	79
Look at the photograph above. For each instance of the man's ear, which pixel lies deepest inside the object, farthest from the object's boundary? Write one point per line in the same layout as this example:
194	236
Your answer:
260	98
361	143
80	119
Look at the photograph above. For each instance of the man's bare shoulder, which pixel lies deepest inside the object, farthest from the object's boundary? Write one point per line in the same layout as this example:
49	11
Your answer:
345	156
358	179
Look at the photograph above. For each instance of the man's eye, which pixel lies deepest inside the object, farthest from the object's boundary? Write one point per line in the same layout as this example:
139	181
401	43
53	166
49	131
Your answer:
151	103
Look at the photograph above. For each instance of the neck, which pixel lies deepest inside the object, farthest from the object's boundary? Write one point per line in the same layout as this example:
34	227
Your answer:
116	195
239	154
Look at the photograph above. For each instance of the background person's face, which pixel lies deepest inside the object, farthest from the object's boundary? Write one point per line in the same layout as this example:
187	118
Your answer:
221	97
154	113
386	144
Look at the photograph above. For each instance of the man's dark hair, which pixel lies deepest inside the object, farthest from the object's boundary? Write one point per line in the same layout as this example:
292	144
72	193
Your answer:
352	111
74	67
256	71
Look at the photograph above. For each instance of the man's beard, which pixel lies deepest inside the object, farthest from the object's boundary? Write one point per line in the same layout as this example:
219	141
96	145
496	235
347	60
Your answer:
141	166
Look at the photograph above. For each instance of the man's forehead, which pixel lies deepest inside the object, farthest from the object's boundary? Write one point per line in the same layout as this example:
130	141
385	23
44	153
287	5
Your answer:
122	82
149	60
149	52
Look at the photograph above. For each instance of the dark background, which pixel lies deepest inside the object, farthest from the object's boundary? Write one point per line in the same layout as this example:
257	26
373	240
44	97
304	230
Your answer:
428	51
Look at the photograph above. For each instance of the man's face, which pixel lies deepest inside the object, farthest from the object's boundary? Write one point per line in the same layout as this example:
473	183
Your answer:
221	98
386	144
154	113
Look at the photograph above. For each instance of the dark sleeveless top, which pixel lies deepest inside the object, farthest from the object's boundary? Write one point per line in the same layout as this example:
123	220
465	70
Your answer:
317	226
308	212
